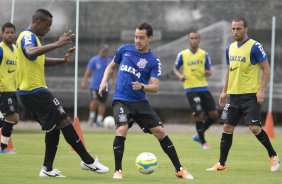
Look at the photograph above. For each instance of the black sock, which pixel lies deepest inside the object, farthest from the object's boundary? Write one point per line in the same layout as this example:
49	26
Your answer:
201	131
169	149
208	123
75	142
51	145
118	147
6	132
263	138
225	145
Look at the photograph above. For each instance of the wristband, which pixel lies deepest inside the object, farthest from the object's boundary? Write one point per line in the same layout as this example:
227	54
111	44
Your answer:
142	87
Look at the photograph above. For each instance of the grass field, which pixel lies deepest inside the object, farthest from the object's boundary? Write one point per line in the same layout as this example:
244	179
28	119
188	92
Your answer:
248	162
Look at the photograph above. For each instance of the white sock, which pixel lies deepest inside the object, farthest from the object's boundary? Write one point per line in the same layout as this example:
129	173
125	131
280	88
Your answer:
92	114
99	119
5	140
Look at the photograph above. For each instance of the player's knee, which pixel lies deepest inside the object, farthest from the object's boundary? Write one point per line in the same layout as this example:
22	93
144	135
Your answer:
228	128
13	118
158	132
197	114
255	129
213	115
64	122
122	130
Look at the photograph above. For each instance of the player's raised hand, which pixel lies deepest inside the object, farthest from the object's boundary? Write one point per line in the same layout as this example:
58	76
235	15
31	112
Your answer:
69	54
65	38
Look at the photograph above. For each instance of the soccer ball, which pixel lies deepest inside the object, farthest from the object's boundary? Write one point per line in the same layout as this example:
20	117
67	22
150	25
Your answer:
109	122
146	163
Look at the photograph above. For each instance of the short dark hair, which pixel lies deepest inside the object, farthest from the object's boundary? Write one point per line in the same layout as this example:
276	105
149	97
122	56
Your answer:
104	47
194	31
238	19
6	25
147	27
41	14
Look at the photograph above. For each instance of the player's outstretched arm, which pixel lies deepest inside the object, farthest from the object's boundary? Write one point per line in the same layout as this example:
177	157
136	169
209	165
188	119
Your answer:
107	74
56	61
63	40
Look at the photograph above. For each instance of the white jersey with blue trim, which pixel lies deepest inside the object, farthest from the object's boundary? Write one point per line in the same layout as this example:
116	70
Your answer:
134	66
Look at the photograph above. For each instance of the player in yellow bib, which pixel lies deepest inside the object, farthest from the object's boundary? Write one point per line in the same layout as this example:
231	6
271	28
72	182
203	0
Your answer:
8	98
196	66
245	58
36	97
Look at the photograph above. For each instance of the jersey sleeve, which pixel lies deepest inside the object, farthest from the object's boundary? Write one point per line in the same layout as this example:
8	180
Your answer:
179	60
208	62
227	55
156	70
29	40
118	55
258	54
1	55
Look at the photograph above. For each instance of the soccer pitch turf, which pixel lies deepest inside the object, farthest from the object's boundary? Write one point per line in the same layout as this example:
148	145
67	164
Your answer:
248	161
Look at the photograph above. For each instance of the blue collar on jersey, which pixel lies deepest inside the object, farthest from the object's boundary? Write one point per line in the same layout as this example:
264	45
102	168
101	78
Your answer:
240	44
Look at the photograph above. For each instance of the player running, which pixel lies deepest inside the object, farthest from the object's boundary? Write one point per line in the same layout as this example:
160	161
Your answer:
196	65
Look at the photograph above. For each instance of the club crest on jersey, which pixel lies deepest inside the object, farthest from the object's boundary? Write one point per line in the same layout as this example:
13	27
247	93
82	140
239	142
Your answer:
142	63
122	118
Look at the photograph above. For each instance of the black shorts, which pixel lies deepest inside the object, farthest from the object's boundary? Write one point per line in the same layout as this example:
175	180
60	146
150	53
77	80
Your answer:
245	106
140	112
95	95
47	110
201	102
223	117
8	103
